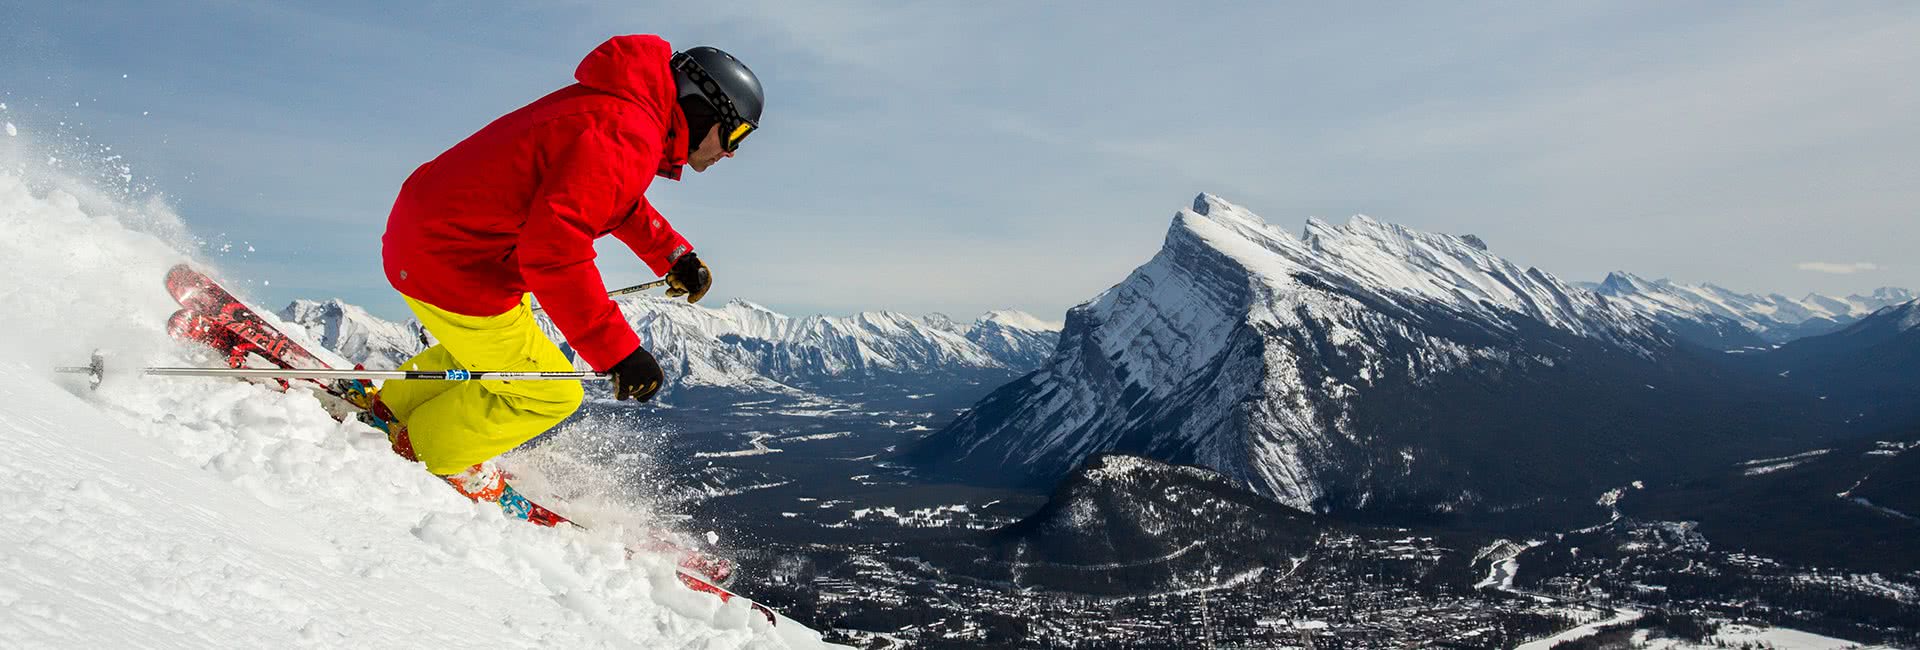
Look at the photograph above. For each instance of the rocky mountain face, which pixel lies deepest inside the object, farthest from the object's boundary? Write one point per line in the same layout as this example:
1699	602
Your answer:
742	345
1363	367
1726	319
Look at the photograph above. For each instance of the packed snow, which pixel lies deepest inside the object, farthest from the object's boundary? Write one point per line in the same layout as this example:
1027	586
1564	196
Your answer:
205	513
1749	636
1583	631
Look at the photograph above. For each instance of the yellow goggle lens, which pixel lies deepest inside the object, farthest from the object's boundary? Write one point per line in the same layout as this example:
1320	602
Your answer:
739	133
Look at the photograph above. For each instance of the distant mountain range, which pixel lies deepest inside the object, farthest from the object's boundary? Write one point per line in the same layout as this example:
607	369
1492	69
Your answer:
355	334
1703	312
1372	369
741	345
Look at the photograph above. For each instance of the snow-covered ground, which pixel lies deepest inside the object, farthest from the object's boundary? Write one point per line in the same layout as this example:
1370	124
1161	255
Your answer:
1748	636
1729	636
1583	631
200	513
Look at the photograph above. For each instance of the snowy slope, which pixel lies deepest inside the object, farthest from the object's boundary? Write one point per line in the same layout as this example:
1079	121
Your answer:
1245	349
192	513
1774	318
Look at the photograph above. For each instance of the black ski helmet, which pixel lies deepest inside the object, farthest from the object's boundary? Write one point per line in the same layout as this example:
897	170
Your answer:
715	88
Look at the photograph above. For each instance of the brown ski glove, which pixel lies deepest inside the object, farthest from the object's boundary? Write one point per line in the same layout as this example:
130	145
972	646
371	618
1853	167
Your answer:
689	277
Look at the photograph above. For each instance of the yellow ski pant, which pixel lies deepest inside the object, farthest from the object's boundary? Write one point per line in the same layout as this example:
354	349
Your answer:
458	424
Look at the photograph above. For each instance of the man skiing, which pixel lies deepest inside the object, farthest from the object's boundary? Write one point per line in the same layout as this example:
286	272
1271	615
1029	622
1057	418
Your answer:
511	213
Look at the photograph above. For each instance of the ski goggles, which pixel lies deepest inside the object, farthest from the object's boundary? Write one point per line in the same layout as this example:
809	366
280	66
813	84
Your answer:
738	133
735	127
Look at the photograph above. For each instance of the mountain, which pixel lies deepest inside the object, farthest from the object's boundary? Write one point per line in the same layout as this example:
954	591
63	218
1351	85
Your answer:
1365	367
355	334
1869	367
1016	339
1702	313
742	345
1124	525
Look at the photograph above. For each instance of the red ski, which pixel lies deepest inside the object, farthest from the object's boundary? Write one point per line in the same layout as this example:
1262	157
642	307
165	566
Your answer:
206	299
213	316
697	583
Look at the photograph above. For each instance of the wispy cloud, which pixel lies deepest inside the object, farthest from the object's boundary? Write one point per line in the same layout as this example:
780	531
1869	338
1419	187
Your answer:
1837	268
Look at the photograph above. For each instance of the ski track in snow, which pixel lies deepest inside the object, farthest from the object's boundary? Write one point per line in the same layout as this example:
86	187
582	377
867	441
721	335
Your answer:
201	513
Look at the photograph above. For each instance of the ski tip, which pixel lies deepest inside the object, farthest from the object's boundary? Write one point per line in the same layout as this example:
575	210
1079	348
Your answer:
697	583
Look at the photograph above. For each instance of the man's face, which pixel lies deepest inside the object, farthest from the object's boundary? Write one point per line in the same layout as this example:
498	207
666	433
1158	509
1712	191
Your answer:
709	151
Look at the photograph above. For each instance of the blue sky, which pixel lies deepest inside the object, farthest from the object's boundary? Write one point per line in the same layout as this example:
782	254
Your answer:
960	157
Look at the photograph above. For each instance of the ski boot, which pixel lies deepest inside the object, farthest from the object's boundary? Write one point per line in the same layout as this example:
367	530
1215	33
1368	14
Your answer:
374	413
485	482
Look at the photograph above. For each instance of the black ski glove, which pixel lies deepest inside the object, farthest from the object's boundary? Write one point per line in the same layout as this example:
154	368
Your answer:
637	377
689	278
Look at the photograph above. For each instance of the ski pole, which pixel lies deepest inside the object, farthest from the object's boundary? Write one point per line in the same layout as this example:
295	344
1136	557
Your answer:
621	292
284	373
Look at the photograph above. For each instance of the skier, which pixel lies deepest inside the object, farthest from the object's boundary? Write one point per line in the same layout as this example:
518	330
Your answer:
511	213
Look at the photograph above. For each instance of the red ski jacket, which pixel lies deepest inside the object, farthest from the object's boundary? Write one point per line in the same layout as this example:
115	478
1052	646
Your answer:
516	206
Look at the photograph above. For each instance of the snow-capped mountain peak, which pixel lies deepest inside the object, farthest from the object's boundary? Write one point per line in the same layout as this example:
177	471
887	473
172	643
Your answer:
1386	259
1016	338
1889	295
1017	320
355	334
1774	318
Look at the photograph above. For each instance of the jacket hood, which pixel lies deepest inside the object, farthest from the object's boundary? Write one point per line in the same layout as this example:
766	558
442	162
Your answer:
636	68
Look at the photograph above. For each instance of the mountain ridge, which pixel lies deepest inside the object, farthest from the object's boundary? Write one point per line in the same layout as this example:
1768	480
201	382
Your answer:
1772	319
740	345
